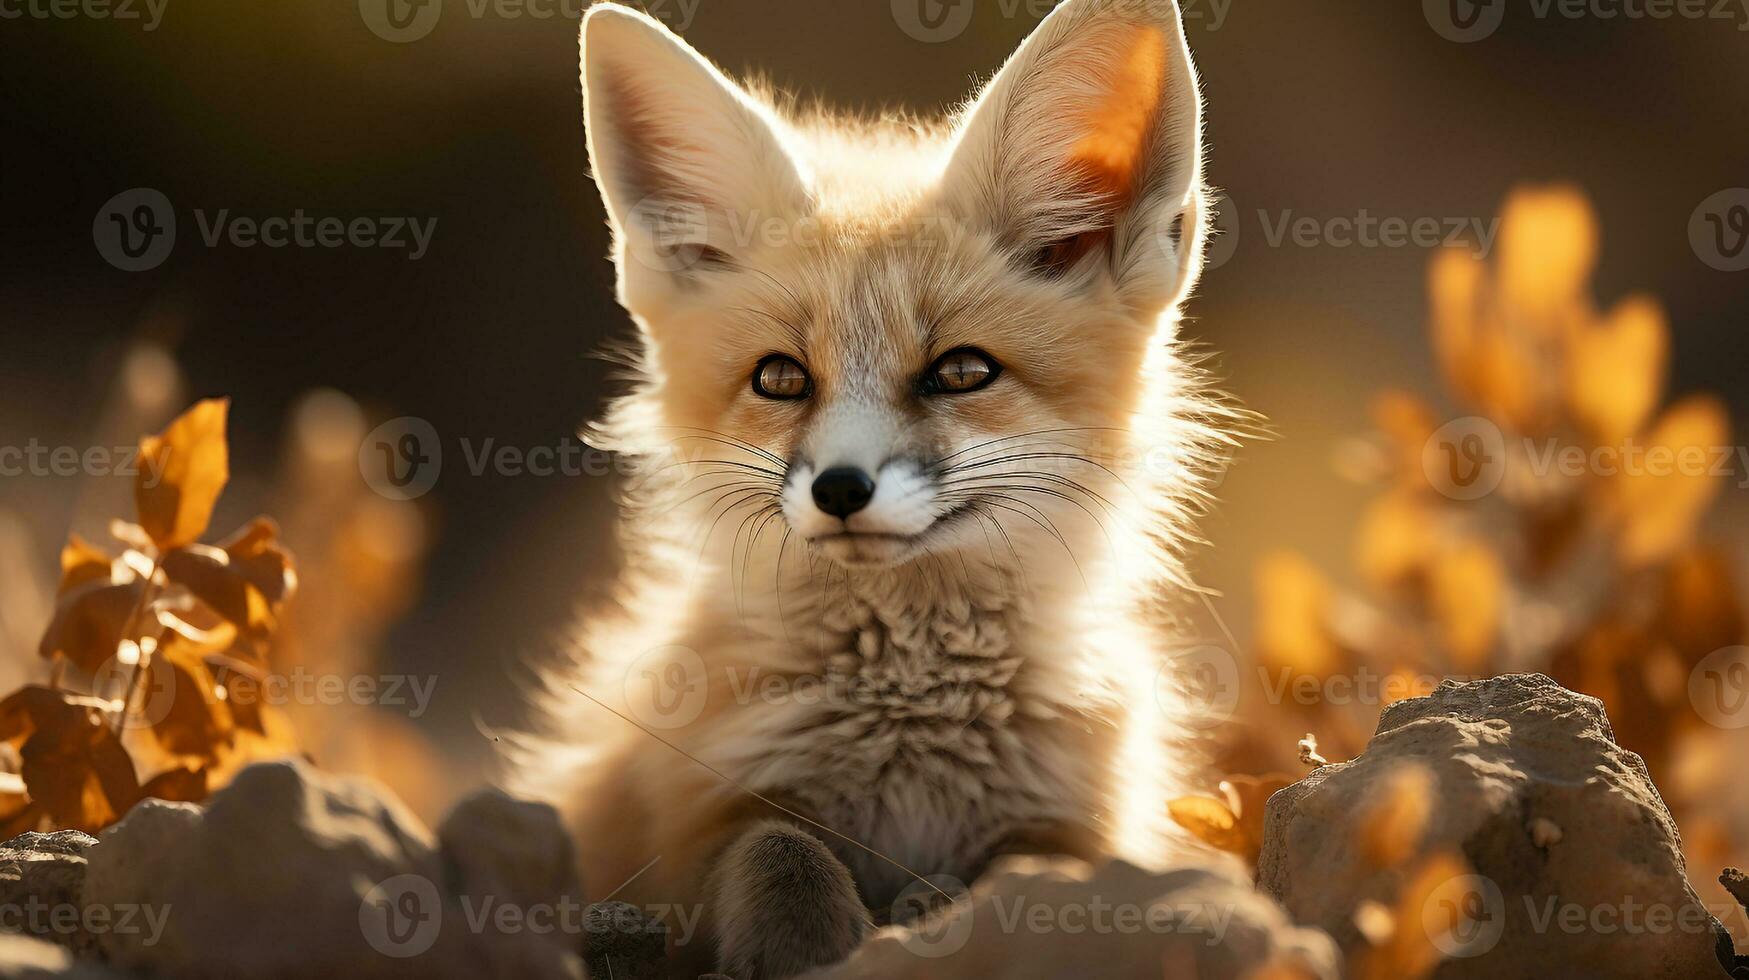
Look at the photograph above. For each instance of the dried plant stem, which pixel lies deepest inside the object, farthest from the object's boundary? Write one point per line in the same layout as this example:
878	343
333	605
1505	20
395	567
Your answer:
140	662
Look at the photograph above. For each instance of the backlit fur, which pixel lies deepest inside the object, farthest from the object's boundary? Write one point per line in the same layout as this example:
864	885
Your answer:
974	663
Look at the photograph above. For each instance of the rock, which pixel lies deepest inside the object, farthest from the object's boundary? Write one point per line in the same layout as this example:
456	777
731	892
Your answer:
41	876
497	846
621	942
289	873
1578	864
1051	918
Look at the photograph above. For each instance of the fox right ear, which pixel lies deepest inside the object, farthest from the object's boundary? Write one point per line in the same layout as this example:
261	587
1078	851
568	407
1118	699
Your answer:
676	147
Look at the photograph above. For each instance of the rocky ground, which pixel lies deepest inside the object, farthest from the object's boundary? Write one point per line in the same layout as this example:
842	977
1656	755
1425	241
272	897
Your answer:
1574	864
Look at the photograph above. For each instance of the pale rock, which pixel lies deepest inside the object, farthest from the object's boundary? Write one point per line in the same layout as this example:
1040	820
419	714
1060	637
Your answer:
1554	816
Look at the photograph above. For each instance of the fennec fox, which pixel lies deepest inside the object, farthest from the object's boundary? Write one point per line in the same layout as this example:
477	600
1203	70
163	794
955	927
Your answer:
919	448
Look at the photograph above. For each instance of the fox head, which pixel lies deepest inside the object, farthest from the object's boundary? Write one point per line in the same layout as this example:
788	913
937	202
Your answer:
896	338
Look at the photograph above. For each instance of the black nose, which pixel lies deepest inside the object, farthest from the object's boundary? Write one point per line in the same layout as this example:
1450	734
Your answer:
843	490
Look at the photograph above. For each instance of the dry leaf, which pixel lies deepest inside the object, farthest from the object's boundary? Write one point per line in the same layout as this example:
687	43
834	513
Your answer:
1547	249
244	579
1615	372
1395	818
73	764
1434	901
90	622
181	474
1661	497
1455	283
1210	821
82	563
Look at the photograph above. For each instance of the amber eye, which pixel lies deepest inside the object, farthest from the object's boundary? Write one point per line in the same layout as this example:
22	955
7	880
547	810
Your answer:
959	371
778	376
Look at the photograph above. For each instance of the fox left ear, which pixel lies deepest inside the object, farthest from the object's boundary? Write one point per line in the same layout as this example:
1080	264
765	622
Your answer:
1087	145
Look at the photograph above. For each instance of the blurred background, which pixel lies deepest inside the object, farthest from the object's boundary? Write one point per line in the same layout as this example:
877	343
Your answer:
468	116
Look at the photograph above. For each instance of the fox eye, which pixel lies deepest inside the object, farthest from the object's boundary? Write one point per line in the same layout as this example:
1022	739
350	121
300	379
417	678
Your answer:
959	371
781	377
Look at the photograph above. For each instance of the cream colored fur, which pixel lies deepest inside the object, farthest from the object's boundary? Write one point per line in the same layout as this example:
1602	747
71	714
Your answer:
987	676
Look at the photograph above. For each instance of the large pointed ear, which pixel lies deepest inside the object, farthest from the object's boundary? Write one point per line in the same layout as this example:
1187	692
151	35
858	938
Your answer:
680	152
1085	151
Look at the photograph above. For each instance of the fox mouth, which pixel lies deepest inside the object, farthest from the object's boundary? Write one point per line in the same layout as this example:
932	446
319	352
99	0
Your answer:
868	548
879	548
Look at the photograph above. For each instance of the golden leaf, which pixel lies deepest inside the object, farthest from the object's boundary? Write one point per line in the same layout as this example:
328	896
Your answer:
1455	282
1615	372
82	563
1393	821
1210	821
90	622
1467	594
1666	486
1547	249
182	472
189	716
244	579
1248	798
1434	901
73	764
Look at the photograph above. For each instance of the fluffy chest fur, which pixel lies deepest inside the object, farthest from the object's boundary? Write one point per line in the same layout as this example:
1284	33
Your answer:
925	734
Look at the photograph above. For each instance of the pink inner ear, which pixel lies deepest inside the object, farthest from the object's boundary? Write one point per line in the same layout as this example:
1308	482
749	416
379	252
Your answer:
1120	127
